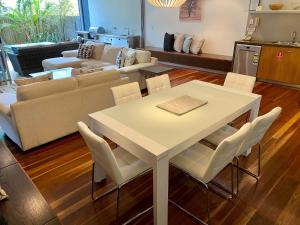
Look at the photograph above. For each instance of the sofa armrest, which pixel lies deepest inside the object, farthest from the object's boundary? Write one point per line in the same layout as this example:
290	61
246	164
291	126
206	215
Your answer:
70	53
135	67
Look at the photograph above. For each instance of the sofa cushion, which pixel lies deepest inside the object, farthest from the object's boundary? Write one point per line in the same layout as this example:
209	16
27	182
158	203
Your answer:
142	56
187	43
98	49
129	57
41	89
62	62
196	46
93	63
97	78
169	42
110	54
85	51
179	39
120	60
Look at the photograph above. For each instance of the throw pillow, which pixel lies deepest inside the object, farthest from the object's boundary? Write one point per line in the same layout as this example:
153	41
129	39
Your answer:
85	51
120	60
169	40
179	39
142	56
187	43
110	54
129	57
98	49
196	46
21	82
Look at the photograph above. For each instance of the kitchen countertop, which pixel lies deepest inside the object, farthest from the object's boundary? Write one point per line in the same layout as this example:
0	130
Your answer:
269	43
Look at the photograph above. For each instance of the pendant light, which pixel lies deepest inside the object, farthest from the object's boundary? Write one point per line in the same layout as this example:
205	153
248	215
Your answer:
166	3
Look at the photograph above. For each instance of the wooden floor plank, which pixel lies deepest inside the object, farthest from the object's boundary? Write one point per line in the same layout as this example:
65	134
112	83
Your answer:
62	172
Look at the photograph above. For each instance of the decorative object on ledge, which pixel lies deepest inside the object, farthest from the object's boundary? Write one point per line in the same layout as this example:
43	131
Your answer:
166	3
276	6
190	10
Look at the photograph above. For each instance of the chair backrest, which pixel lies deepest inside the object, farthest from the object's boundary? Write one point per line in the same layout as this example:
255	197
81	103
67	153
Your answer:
240	82
158	83
126	92
102	154
259	128
226	151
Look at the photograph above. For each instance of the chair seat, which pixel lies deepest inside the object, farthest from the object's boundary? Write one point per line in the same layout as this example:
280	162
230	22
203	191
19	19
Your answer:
217	137
130	166
194	161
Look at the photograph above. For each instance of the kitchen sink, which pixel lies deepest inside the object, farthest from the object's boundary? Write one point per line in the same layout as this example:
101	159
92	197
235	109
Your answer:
288	43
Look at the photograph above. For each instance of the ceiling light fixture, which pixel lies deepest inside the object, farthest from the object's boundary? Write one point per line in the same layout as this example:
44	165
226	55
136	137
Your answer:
166	3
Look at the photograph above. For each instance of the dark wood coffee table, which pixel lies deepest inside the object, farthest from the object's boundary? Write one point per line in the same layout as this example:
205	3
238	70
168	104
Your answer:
155	70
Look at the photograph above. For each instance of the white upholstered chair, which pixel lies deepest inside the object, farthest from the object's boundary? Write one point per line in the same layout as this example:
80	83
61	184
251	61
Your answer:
202	163
259	128
158	83
240	82
121	166
126	92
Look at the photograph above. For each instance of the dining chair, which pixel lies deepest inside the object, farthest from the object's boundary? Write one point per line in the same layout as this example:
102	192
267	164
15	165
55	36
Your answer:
157	84
121	166
202	164
259	128
126	92
240	82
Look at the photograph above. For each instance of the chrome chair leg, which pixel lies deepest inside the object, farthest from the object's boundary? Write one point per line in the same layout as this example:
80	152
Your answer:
230	192
93	191
256	176
207	196
118	188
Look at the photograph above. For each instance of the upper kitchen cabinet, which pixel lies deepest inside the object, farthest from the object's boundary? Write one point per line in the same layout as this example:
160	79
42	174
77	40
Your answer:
280	64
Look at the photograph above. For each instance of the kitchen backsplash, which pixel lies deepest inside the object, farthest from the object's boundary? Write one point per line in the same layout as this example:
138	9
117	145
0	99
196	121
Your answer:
278	26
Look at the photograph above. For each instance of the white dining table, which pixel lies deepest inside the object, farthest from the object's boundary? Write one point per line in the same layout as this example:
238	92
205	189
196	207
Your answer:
155	135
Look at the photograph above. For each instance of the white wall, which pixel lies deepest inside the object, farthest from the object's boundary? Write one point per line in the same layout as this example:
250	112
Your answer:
223	22
116	13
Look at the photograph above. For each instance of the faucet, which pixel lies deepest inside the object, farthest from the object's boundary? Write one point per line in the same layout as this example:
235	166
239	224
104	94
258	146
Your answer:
293	36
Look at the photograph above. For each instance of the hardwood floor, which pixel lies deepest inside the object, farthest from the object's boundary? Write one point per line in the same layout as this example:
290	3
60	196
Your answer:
62	172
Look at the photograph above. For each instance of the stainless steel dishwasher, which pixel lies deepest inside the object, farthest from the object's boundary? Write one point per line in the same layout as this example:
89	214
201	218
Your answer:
246	59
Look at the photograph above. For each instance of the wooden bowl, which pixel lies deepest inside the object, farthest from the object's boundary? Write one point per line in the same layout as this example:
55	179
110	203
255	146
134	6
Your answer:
276	6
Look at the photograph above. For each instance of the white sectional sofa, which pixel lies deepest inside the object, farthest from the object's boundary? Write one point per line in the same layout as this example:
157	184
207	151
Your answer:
104	56
42	112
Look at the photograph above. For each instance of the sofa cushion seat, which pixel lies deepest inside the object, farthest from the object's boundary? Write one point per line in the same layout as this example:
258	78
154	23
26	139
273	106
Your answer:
110	67
93	63
6	99
46	88
62	62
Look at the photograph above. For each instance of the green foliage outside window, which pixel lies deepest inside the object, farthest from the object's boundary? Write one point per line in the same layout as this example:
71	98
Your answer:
35	20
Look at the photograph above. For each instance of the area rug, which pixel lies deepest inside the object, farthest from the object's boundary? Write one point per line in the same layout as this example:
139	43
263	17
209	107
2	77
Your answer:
8	88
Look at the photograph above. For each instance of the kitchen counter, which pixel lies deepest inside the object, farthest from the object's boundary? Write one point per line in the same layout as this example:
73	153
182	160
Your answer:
269	43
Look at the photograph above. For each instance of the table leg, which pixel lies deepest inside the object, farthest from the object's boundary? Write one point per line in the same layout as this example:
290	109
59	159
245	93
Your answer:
160	191
253	115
